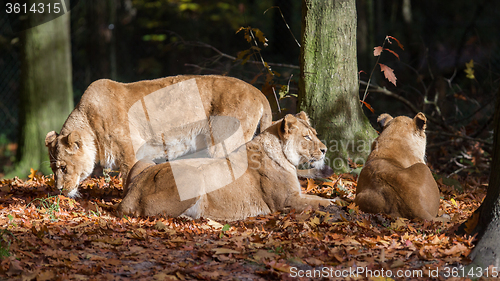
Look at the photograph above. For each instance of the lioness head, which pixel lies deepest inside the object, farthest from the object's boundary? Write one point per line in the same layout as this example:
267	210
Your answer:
70	160
300	141
401	134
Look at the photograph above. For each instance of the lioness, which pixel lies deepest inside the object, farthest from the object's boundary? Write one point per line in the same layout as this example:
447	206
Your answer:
258	178
395	179
114	122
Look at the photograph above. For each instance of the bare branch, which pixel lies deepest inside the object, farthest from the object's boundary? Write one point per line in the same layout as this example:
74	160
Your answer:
459	137
204	45
378	89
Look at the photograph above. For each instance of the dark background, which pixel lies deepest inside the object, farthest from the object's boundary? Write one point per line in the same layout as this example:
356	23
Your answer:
130	40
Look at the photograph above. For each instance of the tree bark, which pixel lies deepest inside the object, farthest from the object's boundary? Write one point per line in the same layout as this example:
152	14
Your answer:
487	250
328	86
46	89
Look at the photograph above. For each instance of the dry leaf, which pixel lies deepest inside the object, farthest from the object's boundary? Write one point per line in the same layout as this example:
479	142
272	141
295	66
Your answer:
219	251
388	73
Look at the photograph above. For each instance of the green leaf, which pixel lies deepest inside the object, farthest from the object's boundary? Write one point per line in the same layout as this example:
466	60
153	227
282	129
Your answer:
469	69
226	227
188	6
260	36
283	91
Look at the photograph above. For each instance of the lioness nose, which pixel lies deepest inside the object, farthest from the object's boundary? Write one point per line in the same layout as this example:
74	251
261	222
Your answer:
323	150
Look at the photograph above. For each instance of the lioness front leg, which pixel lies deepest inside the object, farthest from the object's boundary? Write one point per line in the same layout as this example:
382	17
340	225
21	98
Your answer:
300	202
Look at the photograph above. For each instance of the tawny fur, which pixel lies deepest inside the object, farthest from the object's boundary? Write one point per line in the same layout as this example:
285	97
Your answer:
269	183
395	179
97	131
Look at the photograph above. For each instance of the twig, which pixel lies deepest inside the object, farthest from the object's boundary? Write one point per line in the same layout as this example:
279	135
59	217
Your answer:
378	89
459	136
222	54
202	68
289	29
204	45
268	68
412	107
371	74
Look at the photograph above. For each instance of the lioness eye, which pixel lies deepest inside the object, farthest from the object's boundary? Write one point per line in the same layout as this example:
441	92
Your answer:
63	169
307	138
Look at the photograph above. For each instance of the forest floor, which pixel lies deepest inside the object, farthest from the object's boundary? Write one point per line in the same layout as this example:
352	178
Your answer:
47	236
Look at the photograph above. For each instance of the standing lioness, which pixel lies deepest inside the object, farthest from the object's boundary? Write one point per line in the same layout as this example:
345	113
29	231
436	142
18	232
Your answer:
395	179
114	122
258	178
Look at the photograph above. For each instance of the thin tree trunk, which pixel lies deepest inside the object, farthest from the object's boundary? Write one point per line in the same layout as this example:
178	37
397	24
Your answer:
329	80
46	90
487	250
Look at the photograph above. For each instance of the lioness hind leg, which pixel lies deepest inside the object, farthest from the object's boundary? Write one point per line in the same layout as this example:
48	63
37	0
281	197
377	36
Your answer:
139	166
370	201
420	194
165	202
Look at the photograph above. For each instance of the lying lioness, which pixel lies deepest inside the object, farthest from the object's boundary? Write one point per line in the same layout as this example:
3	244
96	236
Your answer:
258	178
117	124
395	179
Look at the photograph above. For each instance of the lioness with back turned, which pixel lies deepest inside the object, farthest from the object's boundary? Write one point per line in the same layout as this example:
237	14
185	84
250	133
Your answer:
395	179
258	178
117	124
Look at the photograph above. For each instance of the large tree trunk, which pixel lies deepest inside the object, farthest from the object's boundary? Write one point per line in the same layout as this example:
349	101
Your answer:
46	89
329	80
487	250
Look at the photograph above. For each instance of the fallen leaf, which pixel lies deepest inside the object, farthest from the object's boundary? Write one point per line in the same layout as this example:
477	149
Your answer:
472	222
219	251
399	223
314	261
163	276
114	262
215	225
457	249
261	254
46	275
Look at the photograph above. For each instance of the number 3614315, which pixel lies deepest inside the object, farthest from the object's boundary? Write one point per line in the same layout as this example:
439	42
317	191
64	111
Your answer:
17	8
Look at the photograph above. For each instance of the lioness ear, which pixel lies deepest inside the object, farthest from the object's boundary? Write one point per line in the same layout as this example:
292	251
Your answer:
302	115
420	121
383	119
288	123
74	140
50	137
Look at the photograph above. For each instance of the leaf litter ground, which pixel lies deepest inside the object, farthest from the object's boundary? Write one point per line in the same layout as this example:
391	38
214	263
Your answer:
47	236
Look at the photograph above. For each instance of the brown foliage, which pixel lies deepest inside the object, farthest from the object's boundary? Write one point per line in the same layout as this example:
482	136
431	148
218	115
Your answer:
83	239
